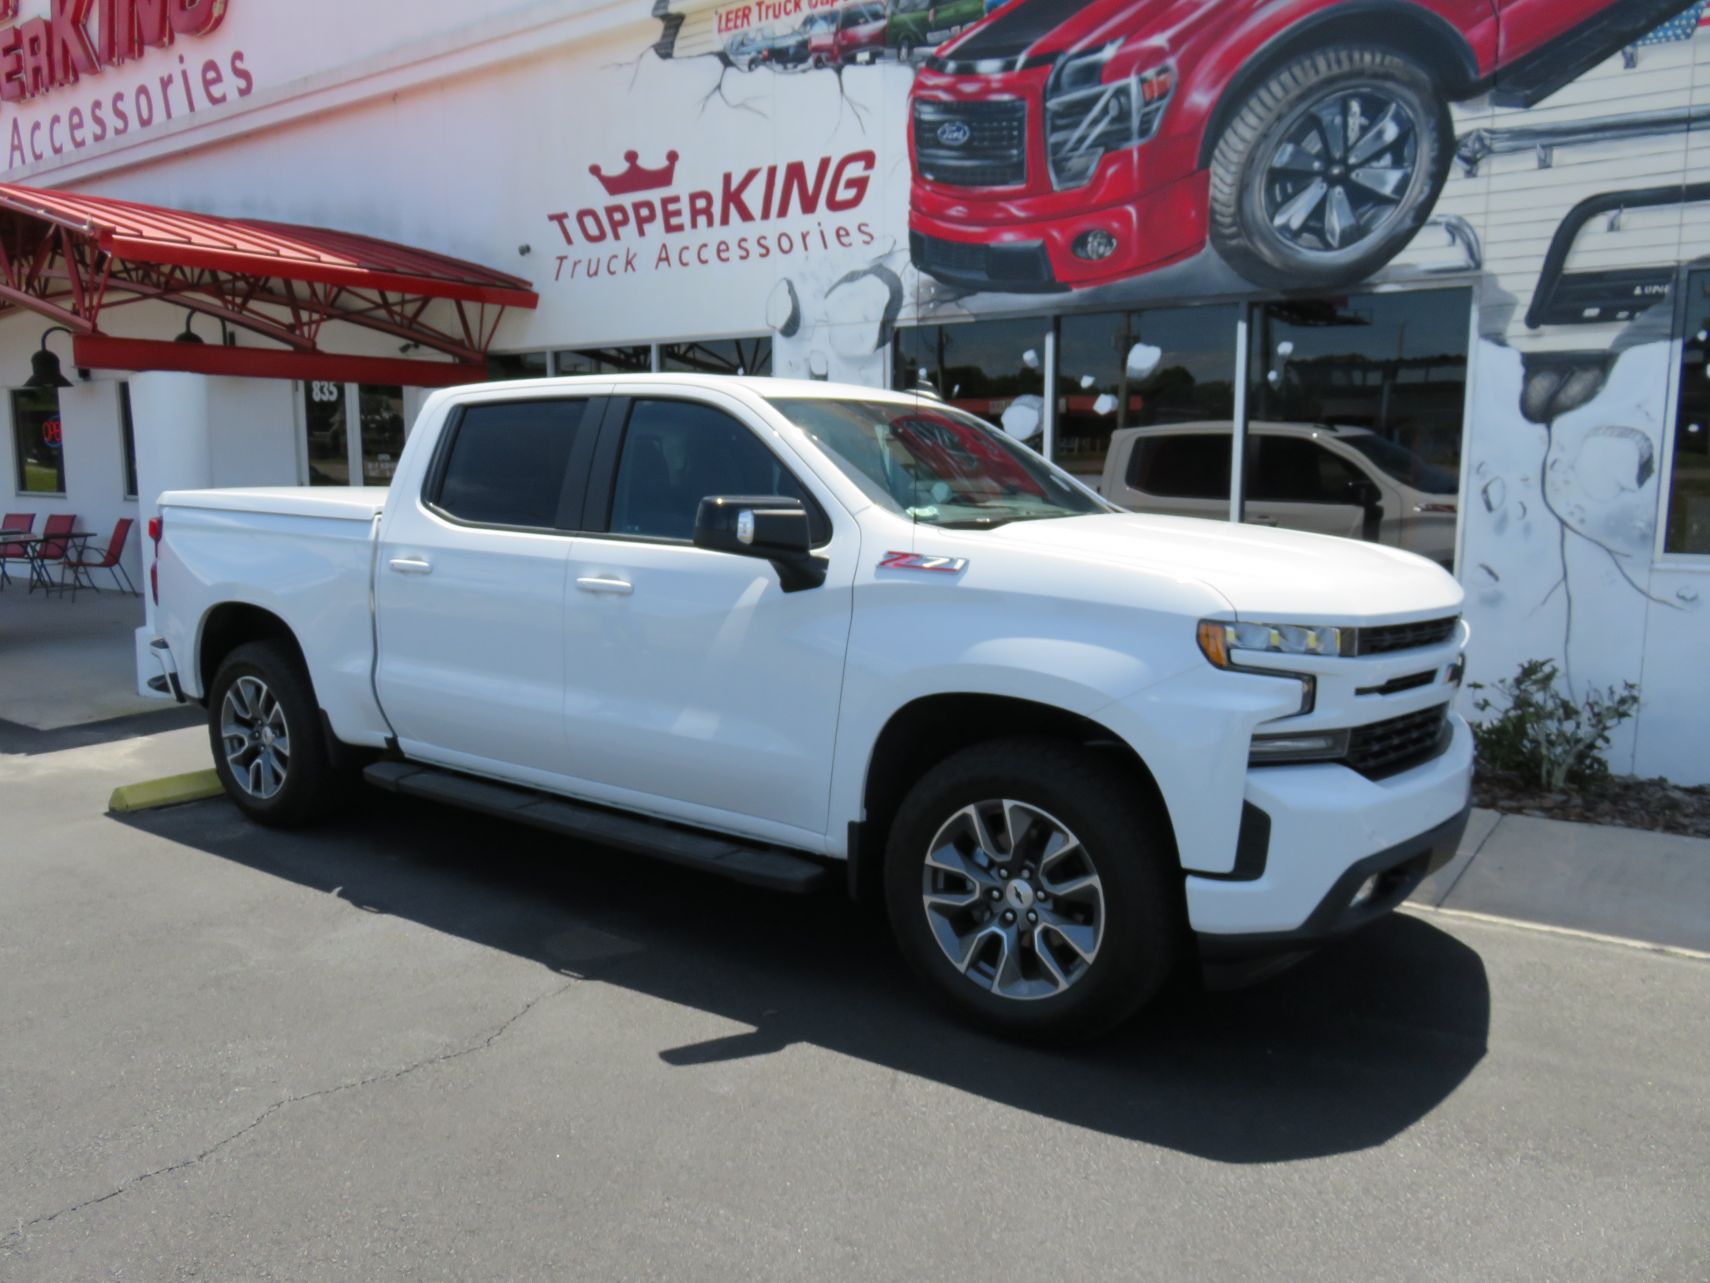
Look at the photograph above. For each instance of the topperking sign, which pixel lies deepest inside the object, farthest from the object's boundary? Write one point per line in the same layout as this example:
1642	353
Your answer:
76	42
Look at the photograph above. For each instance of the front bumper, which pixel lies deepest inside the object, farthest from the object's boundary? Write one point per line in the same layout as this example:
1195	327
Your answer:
986	241
1324	832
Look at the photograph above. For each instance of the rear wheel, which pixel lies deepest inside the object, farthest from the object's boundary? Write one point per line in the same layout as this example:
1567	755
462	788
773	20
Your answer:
264	726
1032	889
1330	168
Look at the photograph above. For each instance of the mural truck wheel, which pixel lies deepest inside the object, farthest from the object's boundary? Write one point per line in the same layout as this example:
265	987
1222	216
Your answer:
1329	168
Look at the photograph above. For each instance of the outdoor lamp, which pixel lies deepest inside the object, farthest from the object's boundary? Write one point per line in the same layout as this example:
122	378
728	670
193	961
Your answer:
44	365
189	335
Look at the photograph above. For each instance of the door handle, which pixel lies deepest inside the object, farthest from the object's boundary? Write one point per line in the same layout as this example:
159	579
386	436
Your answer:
597	583
411	566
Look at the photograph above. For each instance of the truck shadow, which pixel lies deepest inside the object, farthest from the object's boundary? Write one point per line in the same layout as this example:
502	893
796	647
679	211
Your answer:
1340	1053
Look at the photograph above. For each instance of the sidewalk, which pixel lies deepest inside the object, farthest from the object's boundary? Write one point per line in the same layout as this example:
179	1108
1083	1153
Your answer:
1645	886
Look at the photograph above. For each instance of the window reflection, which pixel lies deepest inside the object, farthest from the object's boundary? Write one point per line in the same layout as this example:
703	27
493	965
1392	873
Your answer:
382	411
604	360
329	443
1356	416
516	365
995	369
718	356
1689	488
1130	369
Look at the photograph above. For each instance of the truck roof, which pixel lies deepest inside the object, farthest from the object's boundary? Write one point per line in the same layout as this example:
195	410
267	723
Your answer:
764	386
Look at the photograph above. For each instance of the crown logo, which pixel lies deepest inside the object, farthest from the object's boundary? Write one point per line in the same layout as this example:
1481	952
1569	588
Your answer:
636	178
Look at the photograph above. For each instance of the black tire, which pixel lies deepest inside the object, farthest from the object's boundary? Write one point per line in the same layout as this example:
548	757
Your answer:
1242	180
1128	846
311	785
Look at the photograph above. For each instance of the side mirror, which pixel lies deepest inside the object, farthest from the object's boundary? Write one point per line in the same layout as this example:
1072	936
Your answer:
771	527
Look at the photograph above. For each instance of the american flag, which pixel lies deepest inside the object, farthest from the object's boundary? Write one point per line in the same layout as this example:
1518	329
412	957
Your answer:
1677	29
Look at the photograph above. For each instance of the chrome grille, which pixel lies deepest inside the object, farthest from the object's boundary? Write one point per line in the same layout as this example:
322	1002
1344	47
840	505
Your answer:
992	152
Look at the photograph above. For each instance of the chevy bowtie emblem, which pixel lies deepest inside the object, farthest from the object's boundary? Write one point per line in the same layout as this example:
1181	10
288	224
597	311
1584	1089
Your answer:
954	133
922	561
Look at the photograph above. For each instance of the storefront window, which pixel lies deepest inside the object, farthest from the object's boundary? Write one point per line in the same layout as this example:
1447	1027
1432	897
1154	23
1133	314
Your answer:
36	441
329	444
1355	417
382	411
995	369
516	365
128	431
719	356
604	360
1689	487
1121	370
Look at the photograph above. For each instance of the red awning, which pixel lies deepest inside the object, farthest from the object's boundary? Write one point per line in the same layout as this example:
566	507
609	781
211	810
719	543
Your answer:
69	256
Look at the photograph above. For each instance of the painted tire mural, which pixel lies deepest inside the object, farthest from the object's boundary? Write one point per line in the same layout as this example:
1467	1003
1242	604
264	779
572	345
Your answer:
1329	169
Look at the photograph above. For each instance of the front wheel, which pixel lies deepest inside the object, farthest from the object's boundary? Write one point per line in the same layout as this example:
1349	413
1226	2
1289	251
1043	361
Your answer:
1033	890
1329	168
264	726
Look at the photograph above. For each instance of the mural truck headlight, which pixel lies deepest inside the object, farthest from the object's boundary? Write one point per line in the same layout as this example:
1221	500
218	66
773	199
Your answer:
1086	117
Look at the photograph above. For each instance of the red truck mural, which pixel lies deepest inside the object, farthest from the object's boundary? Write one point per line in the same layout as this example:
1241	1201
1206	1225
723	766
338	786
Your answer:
1060	144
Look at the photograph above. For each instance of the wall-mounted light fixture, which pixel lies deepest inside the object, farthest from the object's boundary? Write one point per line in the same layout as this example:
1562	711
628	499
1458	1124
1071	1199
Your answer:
44	365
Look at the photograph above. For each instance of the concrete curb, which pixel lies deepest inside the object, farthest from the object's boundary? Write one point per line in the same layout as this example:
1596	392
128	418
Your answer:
171	791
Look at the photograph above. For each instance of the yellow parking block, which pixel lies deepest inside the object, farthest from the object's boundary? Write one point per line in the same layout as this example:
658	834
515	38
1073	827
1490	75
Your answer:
170	791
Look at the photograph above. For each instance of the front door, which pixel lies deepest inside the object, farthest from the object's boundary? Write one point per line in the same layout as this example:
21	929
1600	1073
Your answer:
469	587
695	687
1296	484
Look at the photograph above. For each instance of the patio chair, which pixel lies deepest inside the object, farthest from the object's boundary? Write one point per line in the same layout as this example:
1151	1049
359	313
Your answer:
14	551
103	559
53	546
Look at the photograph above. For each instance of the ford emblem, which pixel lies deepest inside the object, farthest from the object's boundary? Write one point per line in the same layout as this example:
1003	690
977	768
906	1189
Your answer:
953	133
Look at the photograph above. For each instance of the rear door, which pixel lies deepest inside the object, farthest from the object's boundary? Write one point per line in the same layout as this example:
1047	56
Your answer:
469	585
695	686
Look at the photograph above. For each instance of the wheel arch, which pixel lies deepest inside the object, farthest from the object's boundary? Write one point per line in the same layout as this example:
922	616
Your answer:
1405	28
232	624
928	729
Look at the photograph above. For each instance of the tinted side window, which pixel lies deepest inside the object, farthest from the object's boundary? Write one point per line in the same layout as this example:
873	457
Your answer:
1295	470
1191	466
506	463
676	453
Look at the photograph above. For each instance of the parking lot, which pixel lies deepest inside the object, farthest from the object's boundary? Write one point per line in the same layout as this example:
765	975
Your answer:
416	1044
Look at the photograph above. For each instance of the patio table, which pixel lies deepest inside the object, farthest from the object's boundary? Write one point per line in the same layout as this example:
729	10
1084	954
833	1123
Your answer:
73	541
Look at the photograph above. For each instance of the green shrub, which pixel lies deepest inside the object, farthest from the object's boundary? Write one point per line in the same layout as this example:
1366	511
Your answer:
1540	736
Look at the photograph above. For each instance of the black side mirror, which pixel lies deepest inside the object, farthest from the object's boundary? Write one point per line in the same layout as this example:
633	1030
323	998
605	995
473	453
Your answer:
771	527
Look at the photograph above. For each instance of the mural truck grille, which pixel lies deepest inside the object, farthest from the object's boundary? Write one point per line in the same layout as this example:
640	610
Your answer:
972	144
1429	632
1383	748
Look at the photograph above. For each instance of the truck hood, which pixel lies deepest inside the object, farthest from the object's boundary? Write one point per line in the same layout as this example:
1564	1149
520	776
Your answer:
1040	28
1278	576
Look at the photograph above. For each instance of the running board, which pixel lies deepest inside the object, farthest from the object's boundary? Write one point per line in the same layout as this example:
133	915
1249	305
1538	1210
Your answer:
761	866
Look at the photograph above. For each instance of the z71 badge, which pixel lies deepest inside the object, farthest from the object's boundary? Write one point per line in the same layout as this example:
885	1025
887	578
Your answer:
922	561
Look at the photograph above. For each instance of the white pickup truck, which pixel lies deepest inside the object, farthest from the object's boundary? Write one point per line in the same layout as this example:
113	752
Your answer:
777	629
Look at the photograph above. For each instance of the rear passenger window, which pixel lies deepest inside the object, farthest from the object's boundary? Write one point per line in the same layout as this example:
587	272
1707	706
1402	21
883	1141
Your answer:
506	463
1189	466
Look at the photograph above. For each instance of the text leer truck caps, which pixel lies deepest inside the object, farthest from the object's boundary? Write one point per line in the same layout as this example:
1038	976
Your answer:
796	632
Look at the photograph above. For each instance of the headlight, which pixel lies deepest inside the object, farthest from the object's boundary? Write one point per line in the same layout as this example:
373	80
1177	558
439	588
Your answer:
1220	640
1086	117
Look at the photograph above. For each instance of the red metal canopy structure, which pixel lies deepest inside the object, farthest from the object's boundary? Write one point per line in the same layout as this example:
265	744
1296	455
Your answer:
71	258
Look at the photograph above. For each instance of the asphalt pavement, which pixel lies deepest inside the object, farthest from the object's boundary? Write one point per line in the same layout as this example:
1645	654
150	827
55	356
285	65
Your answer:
415	1044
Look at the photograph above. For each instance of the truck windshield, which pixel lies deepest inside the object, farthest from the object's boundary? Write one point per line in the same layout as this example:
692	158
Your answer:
936	464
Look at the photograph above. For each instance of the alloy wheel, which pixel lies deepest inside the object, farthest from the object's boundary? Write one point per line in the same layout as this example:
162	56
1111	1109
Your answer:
1341	170
1013	899
255	737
